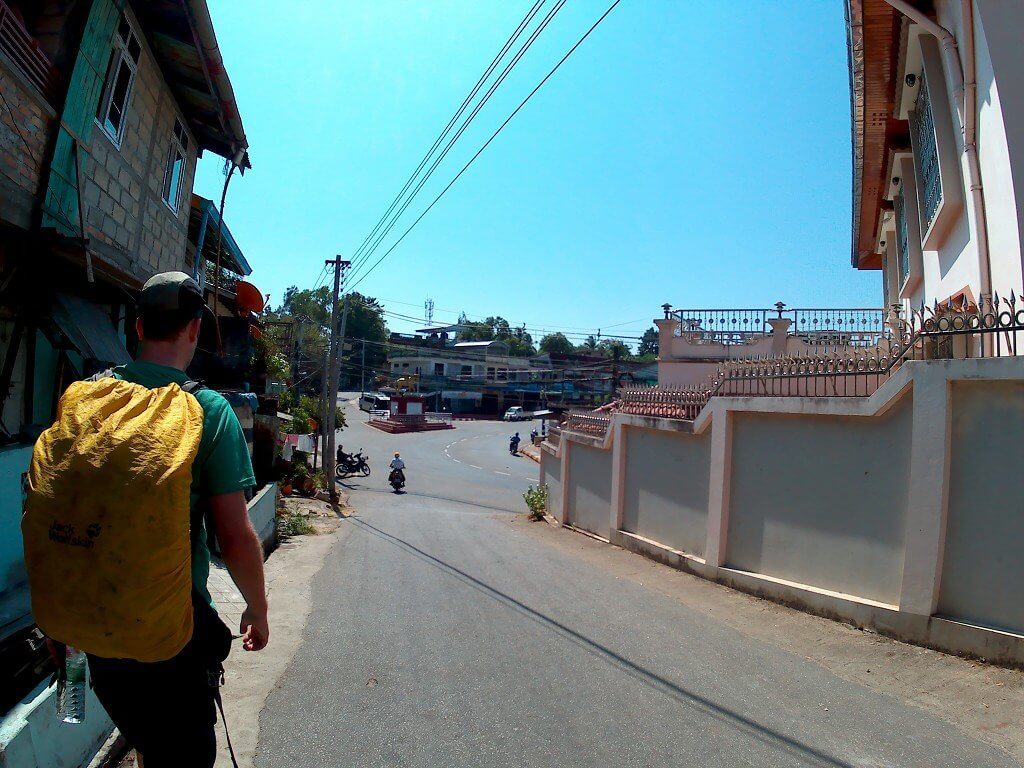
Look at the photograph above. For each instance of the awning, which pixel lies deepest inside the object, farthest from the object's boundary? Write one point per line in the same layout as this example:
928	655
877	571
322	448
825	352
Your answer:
203	232
88	328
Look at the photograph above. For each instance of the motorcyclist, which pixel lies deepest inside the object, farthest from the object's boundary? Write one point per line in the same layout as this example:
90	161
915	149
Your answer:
340	457
513	444
397	468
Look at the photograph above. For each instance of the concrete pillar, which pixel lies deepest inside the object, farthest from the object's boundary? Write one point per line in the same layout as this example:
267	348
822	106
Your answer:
718	490
927	494
563	446
780	333
666	331
618	473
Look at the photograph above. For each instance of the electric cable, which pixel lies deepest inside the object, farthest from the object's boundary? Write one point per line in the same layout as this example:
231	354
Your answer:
486	144
458	113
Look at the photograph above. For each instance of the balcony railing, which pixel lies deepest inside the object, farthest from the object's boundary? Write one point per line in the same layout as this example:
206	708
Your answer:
22	49
825	326
587	423
954	331
665	402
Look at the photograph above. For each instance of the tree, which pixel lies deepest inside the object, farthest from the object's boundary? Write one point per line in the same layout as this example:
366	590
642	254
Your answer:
365	325
310	313
556	343
648	343
496	328
614	348
589	346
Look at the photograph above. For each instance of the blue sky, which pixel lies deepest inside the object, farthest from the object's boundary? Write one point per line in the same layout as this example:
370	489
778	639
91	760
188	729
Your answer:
689	152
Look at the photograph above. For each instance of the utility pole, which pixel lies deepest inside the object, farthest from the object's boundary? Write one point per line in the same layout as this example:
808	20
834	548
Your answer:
296	349
362	370
330	389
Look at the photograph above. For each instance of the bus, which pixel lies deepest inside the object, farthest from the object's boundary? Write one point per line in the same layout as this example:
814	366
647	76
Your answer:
374	401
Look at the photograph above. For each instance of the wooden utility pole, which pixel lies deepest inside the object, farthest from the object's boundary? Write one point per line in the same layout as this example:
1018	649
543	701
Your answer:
331	415
329	391
362	370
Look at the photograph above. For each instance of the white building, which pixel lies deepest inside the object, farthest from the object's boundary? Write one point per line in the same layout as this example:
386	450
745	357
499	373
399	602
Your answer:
938	163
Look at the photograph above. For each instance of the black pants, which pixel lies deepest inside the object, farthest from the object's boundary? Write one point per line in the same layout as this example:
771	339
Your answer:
164	709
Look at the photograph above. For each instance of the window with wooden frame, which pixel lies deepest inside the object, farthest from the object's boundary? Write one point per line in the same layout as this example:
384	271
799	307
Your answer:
174	172
121	71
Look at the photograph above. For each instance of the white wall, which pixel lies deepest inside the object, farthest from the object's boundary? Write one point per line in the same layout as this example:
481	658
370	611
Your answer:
666	488
955	263
822	500
589	497
551	475
983	567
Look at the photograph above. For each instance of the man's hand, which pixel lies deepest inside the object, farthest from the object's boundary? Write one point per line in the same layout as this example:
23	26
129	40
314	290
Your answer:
255	630
243	555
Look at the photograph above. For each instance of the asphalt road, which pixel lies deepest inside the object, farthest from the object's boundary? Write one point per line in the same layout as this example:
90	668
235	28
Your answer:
443	634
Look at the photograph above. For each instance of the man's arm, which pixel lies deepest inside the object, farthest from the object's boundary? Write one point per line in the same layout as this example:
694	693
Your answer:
242	552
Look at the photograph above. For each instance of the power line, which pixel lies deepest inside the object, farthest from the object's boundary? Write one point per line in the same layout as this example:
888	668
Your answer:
441	136
488	142
516	324
476	110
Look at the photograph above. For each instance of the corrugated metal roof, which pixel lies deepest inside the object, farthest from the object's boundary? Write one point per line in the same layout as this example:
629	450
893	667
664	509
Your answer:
181	35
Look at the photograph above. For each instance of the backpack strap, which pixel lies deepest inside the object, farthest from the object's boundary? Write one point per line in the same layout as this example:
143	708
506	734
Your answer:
192	387
108	373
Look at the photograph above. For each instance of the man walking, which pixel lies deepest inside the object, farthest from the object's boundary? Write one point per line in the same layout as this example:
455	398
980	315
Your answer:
165	707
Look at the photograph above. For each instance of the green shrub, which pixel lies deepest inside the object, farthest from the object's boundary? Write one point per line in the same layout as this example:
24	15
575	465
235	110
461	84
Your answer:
292	524
537	501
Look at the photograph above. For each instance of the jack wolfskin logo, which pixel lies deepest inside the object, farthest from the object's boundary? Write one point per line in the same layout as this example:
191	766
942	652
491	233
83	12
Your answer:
65	533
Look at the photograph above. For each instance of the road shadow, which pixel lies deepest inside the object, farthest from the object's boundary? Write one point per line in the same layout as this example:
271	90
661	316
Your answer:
467	502
806	754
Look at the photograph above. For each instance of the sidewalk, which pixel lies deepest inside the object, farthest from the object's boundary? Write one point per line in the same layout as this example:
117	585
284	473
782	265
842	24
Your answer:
250	677
530	451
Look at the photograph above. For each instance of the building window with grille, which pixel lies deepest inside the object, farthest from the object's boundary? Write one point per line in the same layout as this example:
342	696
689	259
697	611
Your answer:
439	369
121	71
932	120
174	172
922	124
902	238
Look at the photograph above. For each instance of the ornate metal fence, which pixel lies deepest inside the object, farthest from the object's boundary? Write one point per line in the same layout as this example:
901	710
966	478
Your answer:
666	402
950	332
849	327
954	331
588	423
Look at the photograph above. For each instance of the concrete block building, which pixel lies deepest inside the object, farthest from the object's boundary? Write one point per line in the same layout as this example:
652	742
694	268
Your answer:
106	107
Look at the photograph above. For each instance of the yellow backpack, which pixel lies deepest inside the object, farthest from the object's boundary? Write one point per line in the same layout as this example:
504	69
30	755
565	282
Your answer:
106	524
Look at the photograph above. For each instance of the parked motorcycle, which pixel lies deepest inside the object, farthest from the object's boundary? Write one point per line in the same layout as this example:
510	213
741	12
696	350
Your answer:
397	479
351	464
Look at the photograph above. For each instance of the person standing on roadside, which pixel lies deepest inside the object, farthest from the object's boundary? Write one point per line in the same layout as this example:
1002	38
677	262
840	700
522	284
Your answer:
157	675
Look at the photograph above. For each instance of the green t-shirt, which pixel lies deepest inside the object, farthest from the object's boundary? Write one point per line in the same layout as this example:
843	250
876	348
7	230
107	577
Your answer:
222	464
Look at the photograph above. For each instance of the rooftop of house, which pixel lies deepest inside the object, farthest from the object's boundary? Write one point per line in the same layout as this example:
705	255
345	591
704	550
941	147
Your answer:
873	31
479	344
182	37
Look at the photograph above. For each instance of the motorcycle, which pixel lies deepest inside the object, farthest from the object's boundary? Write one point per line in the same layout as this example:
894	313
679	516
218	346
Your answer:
397	479
352	464
513	447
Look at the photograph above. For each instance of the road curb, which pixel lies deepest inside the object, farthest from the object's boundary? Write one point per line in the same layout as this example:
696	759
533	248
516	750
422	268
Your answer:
531	457
113	751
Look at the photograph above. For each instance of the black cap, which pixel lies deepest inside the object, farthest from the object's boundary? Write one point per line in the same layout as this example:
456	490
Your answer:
171	292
